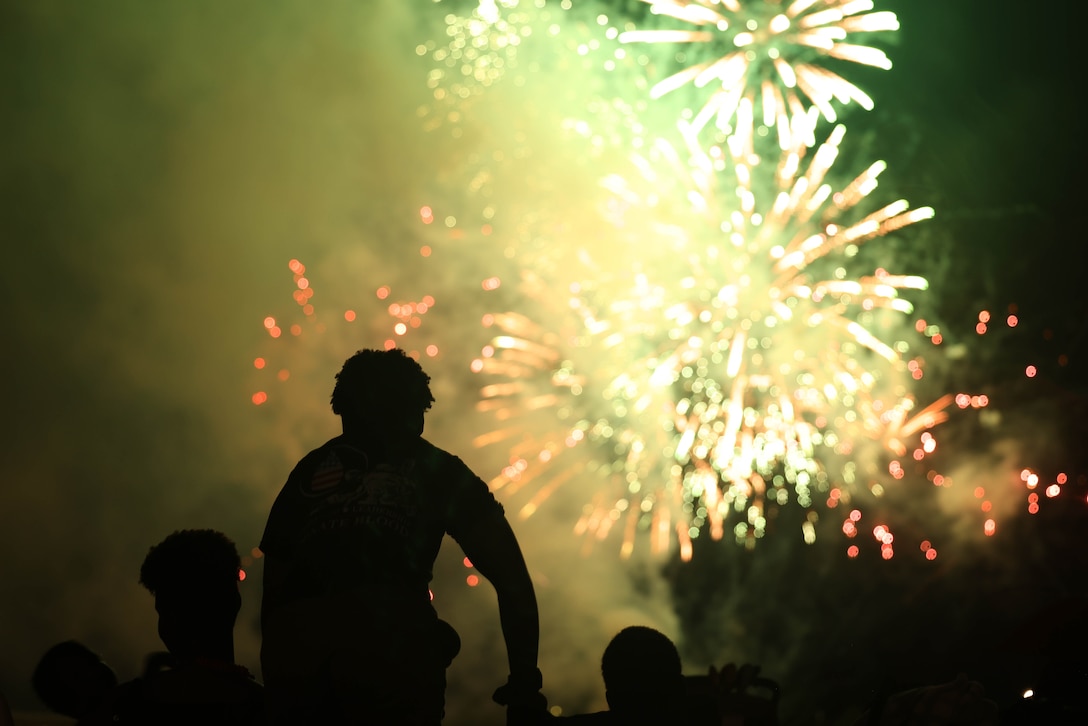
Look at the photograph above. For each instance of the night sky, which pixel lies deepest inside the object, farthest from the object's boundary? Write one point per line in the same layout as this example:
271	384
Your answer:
162	163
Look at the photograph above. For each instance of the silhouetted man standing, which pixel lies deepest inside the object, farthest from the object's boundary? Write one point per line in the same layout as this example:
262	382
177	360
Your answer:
349	632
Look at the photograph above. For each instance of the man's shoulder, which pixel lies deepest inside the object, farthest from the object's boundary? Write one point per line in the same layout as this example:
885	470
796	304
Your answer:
436	455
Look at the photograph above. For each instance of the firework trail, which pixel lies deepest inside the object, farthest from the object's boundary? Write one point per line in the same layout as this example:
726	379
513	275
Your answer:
767	52
686	347
708	364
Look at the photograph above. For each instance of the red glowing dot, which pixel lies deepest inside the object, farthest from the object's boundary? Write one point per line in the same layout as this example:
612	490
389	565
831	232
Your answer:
931	554
987	506
886	552
425	251
274	332
296	329
390	344
938	480
472	580
415	322
259	397
852	551
920	325
432	350
1012	321
295	266
937	339
984	316
241	574
349	315
980	328
1033	508
466	562
303	283
258	363
980	492
1062	478
855	514
284	374
925	546
1030	371
382	292
1033	497
270	322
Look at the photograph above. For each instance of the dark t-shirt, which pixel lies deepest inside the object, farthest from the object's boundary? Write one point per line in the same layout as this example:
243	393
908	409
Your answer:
356	516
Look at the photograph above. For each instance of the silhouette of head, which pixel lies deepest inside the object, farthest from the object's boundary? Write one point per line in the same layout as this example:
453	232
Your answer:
193	575
382	391
72	679
642	676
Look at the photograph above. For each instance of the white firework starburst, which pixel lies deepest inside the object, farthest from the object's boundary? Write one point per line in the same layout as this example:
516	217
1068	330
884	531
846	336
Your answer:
766	51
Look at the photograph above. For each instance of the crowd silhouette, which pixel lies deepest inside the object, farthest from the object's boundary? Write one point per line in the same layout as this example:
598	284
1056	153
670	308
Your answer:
349	632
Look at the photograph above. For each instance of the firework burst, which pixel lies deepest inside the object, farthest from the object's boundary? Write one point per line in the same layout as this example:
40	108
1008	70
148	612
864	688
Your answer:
706	367
766	51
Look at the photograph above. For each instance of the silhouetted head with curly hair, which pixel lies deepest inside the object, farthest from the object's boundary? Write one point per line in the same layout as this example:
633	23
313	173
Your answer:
194	576
382	392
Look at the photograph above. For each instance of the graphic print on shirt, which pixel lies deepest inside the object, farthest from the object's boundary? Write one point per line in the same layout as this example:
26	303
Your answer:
377	503
328	474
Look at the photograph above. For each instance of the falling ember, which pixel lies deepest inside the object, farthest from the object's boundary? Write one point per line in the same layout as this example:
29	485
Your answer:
761	60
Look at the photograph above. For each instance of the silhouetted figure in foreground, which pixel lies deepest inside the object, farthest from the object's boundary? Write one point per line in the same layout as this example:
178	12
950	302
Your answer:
645	686
349	632
73	680
194	577
643	682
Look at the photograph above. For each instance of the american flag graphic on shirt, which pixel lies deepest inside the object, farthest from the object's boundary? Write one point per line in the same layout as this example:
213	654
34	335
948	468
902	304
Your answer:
328	473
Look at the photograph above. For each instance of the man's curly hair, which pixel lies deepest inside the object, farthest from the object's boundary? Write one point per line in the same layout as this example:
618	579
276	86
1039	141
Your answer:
189	564
386	379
